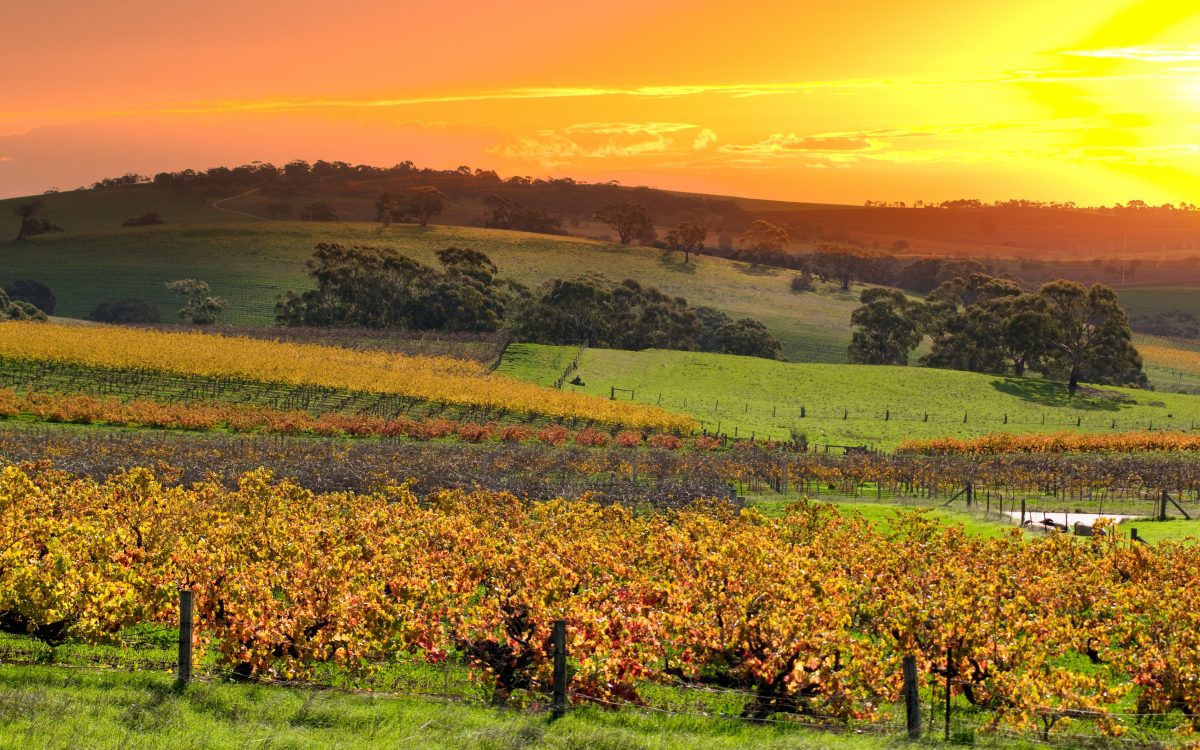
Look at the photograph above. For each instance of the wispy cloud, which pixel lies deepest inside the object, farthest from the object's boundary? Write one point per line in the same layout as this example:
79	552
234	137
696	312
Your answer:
790	143
593	140
1184	53
704	139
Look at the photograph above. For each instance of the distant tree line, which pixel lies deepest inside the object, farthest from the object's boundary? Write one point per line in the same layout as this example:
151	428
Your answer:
381	288
985	324
1170	323
561	199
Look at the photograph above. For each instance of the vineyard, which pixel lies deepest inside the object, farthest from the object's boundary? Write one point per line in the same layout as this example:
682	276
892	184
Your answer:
806	617
1059	442
464	383
201	416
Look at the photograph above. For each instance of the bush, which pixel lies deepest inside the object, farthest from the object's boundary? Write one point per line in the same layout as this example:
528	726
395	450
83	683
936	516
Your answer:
802	283
145	220
319	212
132	310
665	442
432	429
473	432
706	443
592	438
34	292
629	439
554	435
514	433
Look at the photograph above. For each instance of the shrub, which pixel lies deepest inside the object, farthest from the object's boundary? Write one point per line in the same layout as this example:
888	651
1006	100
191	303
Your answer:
473	432
319	212
10	403
591	437
706	443
432	429
514	433
34	292
629	439
554	435
145	220
665	442
131	310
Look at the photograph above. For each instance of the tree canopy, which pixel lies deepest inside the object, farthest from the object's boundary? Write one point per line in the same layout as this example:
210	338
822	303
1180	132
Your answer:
629	220
886	328
985	324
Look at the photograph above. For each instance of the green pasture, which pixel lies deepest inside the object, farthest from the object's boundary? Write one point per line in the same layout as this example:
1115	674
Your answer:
250	262
1149	300
849	404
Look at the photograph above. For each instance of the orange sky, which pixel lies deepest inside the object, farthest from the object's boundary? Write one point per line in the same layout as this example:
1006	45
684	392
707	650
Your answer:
1095	101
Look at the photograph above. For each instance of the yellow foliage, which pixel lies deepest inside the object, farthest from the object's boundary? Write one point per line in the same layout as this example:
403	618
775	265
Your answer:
452	381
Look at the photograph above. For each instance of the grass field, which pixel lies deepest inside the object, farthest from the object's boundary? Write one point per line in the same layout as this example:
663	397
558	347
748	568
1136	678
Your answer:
1148	300
45	707
849	404
250	262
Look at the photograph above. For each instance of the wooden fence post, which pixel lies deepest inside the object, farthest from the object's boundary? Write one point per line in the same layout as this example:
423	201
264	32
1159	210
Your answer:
183	673
558	705
949	654
912	698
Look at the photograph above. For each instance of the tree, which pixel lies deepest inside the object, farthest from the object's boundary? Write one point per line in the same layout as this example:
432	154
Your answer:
199	306
17	310
379	288
129	310
765	237
34	292
30	224
507	213
844	266
387	208
629	220
319	212
687	238
423	203
1091	339
145	220
886	328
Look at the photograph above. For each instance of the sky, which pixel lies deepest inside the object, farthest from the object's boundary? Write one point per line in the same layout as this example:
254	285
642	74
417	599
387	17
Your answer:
1094	102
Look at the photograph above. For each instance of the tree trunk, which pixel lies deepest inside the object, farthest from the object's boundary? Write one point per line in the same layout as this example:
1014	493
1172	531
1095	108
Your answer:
1019	368
1073	382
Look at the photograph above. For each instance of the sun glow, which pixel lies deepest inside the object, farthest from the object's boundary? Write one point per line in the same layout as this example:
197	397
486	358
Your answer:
1046	99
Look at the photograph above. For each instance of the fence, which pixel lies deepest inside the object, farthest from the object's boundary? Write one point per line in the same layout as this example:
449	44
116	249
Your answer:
931	705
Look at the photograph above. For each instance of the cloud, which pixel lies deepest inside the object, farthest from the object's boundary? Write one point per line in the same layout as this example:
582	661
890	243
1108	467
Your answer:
628	128
1185	53
593	140
704	139
779	143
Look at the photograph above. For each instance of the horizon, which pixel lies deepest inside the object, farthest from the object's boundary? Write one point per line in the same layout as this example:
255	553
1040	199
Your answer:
936	101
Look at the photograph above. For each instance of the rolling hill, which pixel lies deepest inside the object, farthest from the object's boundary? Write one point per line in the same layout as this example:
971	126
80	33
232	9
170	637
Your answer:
250	262
848	404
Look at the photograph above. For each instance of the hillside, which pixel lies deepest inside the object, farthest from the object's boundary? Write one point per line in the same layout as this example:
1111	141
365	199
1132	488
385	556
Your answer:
849	404
250	263
216	236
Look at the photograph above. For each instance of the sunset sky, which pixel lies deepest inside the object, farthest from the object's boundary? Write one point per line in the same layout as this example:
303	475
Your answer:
1094	102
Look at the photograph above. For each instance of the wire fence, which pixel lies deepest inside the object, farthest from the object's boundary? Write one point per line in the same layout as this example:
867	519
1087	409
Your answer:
932	715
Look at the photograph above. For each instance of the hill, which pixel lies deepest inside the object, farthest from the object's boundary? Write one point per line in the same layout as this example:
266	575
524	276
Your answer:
250	262
848	404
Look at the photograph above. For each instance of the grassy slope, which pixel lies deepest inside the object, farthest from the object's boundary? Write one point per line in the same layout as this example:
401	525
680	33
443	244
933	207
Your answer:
741	392
42	707
249	263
